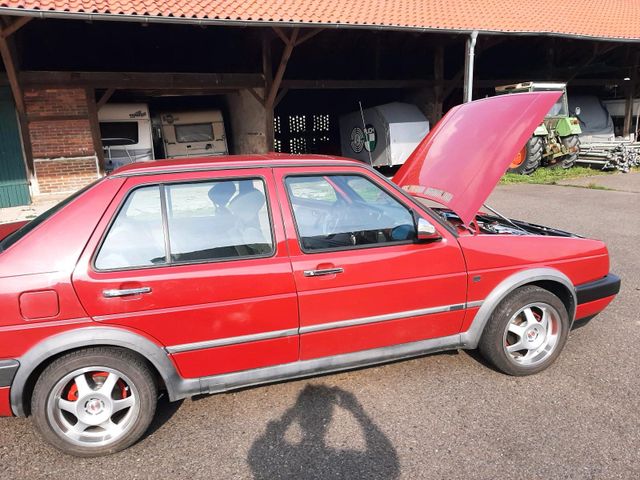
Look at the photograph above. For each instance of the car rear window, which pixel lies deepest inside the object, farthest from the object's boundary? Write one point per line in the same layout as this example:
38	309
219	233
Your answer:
10	240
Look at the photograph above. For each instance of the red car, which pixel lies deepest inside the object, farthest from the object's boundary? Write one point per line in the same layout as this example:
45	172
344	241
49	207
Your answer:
201	276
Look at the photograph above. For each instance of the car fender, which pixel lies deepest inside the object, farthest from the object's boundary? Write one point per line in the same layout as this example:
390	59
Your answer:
471	337
177	387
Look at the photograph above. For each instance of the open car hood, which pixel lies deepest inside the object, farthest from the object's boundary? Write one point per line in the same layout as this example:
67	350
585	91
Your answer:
463	158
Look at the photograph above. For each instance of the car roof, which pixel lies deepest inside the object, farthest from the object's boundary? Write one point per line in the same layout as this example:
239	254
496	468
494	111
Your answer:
230	162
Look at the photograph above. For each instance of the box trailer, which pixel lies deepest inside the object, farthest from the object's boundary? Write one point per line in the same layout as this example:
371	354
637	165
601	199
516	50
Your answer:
125	129
193	133
386	136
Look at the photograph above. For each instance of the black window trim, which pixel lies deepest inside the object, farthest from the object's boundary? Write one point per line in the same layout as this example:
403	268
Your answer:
342	173
165	229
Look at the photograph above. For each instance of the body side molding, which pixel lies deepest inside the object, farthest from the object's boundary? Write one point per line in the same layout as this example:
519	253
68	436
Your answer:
322	365
91	336
471	337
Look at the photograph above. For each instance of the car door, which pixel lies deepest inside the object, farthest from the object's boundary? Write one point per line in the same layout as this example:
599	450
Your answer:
197	262
362	280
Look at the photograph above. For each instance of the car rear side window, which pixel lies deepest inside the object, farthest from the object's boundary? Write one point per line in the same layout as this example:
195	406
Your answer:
187	223
346	211
135	238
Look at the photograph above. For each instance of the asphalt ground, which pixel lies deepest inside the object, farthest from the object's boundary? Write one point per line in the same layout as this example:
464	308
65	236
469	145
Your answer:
440	416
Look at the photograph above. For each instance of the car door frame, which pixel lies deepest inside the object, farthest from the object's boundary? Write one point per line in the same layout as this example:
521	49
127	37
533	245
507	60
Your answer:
318	341
241	349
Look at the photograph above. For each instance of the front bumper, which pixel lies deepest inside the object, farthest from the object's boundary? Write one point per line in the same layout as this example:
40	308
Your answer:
593	297
599	289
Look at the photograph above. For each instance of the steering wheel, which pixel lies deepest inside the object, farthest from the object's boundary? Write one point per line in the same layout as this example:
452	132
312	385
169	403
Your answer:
330	222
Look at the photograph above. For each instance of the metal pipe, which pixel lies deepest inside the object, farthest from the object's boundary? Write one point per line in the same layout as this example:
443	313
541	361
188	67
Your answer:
469	59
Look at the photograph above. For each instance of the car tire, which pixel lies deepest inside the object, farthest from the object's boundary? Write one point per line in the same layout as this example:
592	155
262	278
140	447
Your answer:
526	332
529	159
94	401
572	142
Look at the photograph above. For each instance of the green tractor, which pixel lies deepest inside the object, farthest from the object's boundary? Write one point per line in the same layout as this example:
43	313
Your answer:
555	142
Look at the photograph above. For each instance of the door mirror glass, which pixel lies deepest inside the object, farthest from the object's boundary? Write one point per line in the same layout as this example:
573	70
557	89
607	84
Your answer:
426	232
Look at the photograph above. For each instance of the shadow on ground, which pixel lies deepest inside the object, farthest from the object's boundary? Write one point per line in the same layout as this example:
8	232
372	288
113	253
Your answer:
275	454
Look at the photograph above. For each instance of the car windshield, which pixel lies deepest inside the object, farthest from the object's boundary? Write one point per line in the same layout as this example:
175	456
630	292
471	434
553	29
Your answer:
25	229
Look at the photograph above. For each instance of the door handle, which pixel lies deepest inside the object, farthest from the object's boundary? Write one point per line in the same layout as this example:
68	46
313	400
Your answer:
125	292
323	271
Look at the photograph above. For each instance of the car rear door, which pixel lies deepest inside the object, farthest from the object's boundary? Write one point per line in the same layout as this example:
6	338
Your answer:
197	261
362	280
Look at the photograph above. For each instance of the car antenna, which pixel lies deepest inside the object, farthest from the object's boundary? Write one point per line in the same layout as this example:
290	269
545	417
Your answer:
364	132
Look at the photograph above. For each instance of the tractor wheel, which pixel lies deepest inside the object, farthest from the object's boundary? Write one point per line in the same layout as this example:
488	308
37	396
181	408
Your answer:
529	158
571	143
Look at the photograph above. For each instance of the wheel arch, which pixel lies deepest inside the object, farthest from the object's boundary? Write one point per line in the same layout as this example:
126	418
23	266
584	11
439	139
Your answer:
39	356
548	278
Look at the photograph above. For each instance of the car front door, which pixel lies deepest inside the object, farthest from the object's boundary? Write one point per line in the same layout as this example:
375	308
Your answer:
196	261
363	281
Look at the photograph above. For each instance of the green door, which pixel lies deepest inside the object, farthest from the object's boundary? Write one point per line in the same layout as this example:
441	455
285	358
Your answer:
14	187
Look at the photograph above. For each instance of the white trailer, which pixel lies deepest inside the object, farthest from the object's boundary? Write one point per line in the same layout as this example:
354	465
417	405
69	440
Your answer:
125	129
386	137
194	133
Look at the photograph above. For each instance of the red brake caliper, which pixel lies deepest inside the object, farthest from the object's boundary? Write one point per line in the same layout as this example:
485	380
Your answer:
72	396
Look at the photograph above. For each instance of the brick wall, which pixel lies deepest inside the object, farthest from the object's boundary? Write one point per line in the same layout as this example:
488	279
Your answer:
61	140
65	174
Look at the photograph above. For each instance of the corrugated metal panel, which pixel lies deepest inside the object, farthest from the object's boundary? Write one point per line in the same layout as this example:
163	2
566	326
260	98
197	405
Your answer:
14	188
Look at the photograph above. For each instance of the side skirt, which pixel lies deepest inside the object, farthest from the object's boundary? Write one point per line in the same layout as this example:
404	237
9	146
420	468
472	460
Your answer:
316	366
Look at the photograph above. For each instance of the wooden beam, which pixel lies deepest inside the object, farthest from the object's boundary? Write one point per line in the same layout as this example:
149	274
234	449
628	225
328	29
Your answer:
257	96
598	51
283	92
141	81
308	35
92	109
7	51
277	79
104	98
359	84
268	81
281	34
14	26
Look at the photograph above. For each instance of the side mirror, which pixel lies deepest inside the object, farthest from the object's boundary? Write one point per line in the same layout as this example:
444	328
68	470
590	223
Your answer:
577	111
426	232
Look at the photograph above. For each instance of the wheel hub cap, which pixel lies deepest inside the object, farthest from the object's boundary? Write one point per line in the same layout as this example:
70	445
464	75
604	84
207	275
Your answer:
532	334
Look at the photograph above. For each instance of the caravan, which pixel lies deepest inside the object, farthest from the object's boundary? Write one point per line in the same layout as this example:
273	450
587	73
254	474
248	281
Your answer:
196	133
125	129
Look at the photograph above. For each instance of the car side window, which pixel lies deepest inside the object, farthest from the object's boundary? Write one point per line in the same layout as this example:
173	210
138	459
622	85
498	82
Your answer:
135	238
217	220
346	211
205	221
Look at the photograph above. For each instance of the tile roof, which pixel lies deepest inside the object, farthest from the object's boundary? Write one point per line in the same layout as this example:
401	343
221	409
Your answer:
610	19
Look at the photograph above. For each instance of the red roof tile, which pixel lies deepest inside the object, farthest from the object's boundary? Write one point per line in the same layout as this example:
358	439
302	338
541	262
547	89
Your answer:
613	19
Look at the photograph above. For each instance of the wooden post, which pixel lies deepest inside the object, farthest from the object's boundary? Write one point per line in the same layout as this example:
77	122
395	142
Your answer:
268	81
92	111
7	51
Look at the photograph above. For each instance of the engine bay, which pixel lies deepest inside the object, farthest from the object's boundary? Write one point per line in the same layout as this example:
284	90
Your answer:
495	225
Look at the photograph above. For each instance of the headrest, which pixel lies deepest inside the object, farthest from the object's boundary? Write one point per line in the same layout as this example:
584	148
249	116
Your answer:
247	205
221	193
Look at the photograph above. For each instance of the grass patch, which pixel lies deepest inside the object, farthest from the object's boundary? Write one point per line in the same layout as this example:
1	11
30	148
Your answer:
551	176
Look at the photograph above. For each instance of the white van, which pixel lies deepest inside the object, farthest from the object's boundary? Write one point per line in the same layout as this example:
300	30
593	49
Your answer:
195	133
125	129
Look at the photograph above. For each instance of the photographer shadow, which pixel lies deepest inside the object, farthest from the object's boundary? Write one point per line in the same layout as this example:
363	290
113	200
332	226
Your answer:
274	455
